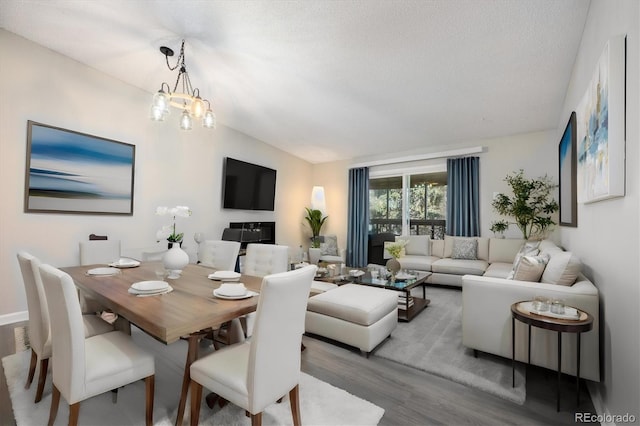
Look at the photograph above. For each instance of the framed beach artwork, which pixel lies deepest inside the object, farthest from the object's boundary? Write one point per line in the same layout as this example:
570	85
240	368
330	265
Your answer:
567	172
601	128
72	172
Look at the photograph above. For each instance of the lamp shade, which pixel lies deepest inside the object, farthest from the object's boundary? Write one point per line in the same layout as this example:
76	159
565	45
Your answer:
317	199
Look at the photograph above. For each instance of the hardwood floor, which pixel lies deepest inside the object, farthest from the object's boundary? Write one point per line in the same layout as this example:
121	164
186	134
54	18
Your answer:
409	396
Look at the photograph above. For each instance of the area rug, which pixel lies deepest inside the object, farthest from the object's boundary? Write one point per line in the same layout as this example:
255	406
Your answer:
432	342
320	402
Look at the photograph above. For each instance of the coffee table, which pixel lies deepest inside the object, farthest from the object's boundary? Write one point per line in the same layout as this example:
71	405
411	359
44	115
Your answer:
409	307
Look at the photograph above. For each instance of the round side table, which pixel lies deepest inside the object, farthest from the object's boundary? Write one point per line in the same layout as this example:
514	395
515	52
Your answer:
583	324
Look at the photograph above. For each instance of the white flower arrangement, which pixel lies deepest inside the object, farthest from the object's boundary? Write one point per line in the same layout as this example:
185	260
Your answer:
169	231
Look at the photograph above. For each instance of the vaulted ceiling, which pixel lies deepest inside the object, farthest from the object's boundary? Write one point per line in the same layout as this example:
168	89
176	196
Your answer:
330	80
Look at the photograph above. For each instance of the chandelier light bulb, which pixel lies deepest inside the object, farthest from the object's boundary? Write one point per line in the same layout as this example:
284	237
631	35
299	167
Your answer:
157	114
209	119
185	121
197	107
161	101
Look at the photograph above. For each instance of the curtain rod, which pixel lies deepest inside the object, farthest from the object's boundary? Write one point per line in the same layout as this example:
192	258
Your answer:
418	157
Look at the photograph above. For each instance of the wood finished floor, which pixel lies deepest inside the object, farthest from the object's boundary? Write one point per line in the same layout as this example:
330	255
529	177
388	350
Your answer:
409	396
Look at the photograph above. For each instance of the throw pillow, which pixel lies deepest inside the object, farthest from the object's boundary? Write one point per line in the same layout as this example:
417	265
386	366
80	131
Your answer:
530	268
563	268
417	244
529	248
330	246
465	248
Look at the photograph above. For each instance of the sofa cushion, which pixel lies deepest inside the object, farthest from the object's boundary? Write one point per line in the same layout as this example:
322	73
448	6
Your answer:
459	266
499	270
421	263
355	303
416	244
504	249
466	248
530	268
437	248
563	268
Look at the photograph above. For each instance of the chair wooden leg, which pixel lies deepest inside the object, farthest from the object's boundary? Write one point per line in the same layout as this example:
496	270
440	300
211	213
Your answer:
74	413
256	419
196	398
32	369
150	386
55	401
294	400
42	377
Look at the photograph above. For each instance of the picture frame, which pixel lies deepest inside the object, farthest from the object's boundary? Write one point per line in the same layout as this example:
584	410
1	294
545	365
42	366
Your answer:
73	172
601	123
567	165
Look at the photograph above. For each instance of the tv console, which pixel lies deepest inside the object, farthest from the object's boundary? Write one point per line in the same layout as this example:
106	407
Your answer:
252	232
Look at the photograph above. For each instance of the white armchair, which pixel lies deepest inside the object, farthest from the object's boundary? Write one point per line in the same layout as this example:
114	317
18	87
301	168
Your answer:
327	252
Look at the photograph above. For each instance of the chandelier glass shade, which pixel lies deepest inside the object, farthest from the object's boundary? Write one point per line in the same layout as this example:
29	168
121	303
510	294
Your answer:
188	100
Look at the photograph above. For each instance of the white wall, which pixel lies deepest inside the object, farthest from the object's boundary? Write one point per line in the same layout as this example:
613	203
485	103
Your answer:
607	234
535	153
172	167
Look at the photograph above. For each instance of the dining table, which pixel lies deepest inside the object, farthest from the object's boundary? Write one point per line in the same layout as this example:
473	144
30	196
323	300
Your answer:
187	312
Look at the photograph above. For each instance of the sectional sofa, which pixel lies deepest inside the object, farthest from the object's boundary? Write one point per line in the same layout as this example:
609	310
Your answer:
492	280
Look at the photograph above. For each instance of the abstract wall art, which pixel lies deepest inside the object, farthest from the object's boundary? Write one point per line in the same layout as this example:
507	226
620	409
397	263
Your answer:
601	128
71	172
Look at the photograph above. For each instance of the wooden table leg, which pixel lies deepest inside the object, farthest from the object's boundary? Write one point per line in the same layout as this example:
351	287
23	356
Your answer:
192	355
513	352
559	370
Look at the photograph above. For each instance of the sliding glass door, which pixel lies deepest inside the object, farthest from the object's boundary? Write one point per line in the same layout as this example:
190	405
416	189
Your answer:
408	204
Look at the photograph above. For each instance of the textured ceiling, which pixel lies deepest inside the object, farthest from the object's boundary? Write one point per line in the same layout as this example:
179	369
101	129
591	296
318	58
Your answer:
330	80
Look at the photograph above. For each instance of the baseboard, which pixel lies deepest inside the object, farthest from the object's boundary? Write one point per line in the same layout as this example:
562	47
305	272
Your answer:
14	317
598	404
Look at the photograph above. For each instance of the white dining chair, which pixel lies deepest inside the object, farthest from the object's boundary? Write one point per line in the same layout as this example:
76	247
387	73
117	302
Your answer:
222	255
96	252
259	372
219	254
83	368
99	251
39	329
262	260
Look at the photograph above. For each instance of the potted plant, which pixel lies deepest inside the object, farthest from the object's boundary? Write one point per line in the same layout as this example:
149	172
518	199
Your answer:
395	249
531	205
315	220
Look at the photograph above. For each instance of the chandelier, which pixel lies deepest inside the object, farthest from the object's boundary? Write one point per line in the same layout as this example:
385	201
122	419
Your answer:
188	100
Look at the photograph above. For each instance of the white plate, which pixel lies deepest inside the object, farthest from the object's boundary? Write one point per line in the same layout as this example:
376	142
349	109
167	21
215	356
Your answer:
222	296
356	273
225	276
150	286
125	263
103	271
169	289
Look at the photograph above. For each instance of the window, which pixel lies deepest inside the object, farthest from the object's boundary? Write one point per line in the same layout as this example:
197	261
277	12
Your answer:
411	204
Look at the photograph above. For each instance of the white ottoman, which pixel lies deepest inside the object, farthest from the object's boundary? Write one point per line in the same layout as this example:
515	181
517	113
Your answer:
354	314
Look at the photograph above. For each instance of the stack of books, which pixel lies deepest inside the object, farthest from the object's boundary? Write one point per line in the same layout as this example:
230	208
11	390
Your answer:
402	301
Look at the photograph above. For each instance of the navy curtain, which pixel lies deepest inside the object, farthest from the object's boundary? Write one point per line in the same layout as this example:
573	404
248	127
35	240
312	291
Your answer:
463	195
358	219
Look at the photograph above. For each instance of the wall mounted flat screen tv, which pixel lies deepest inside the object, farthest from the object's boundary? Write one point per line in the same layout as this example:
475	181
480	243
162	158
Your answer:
248	186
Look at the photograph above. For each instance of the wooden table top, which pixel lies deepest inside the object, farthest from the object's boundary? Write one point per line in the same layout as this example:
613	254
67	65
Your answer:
582	324
189	308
